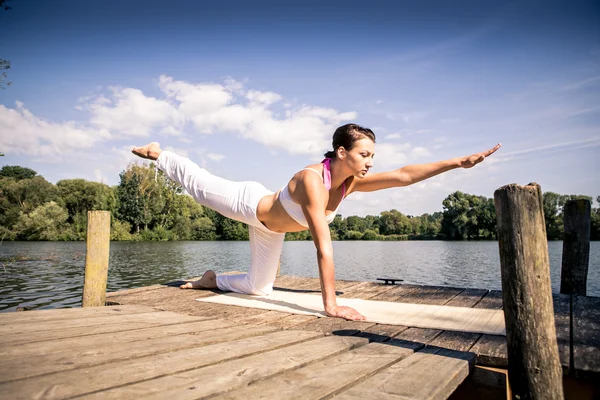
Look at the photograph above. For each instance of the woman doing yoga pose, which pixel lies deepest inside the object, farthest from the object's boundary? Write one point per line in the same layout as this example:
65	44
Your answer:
310	200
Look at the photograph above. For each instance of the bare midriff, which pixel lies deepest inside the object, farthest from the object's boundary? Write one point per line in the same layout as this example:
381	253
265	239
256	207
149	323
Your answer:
272	214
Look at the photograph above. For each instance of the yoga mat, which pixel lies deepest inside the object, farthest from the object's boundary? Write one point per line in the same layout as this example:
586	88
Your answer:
461	319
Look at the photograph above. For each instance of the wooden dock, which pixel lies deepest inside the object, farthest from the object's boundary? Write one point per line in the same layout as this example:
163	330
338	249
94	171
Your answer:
159	342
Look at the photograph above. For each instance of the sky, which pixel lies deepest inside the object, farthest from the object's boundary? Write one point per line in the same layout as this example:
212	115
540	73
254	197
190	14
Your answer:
253	90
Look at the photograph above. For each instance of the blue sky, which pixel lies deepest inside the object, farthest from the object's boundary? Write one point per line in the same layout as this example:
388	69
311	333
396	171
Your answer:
254	90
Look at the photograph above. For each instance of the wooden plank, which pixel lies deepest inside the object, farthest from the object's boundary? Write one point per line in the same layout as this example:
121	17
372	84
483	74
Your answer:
230	375
134	290
324	378
380	333
336	326
586	335
89	380
83	342
265	318
287	281
562	325
422	376
106	352
467	298
396	292
436	295
36	316
414	338
366	290
491	350
184	301
125	325
297	283
149	318
492	300
460	341
343	286
292	321
417	338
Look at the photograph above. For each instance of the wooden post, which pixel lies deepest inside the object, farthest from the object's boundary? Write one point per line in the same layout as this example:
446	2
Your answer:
279	267
96	258
534	368
576	247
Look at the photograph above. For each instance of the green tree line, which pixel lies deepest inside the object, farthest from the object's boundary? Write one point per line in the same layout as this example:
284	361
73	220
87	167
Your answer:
147	206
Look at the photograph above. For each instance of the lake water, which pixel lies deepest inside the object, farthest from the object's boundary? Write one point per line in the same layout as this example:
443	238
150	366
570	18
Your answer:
50	274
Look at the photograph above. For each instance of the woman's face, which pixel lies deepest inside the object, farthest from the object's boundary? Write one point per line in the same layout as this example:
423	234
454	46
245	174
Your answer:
360	159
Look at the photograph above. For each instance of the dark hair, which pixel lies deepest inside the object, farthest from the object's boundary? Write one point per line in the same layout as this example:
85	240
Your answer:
346	135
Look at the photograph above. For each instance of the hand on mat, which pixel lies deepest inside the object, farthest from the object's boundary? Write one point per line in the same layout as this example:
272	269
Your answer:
344	312
474	159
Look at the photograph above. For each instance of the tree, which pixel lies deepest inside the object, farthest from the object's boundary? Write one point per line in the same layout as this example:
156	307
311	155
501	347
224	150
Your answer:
140	202
17	172
393	222
46	222
81	196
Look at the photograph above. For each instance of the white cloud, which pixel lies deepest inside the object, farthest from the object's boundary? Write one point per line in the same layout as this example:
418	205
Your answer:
210	108
393	136
130	113
215	157
419	152
266	98
21	132
390	156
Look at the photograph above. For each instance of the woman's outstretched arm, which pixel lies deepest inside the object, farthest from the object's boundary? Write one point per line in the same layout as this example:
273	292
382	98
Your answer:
417	172
313	198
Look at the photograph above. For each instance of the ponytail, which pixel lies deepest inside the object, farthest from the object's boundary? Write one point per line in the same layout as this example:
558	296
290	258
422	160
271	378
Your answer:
330	154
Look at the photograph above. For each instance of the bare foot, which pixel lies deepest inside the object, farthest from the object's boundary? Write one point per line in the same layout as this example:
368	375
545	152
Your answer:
208	281
150	151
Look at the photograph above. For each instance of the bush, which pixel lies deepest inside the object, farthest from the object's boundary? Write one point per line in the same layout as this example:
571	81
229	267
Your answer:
353	235
370	234
120	230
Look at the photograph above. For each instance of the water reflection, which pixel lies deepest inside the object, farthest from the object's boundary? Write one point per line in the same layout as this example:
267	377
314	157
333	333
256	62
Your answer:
50	274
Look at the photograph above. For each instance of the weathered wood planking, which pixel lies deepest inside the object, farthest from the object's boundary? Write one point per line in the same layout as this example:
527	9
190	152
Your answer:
325	378
461	341
435	295
422	376
586	335
89	341
337	326
366	290
230	375
20	368
381	333
491	350
417	338
145	320
396	292
71	313
149	318
92	379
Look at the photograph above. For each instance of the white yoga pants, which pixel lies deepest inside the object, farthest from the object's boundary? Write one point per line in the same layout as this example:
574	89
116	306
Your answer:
238	201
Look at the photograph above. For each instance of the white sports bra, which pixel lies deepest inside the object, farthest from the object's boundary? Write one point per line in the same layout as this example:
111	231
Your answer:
295	211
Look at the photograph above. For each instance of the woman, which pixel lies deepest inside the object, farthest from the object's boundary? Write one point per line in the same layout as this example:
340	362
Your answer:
310	200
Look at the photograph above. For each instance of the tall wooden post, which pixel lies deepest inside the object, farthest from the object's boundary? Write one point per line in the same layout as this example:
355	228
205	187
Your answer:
534	368
576	247
96	258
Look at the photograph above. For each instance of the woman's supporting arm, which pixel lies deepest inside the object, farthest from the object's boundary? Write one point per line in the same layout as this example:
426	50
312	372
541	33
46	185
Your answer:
313	199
